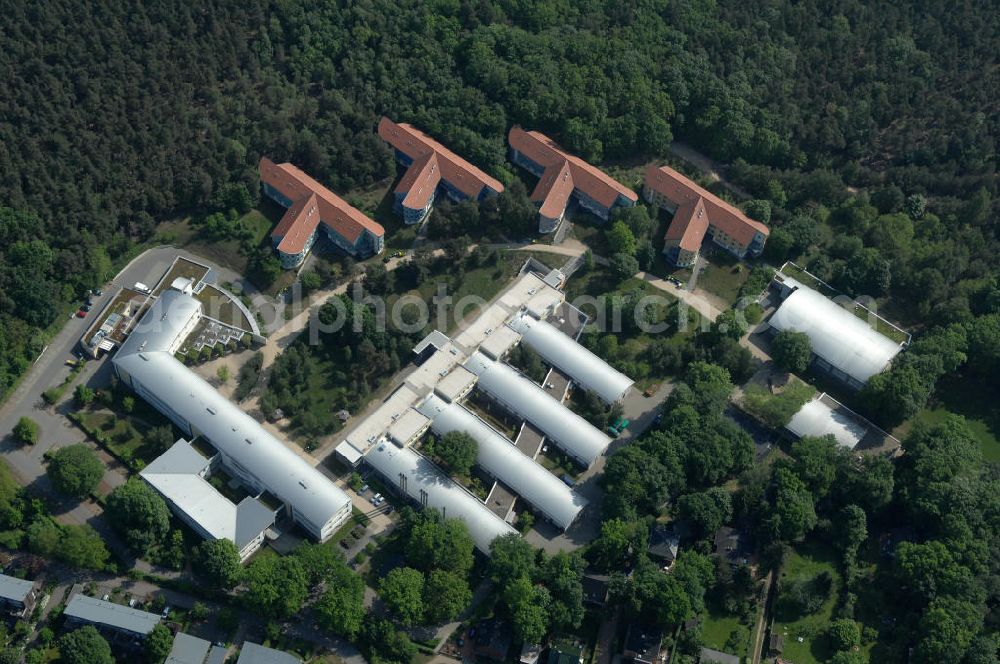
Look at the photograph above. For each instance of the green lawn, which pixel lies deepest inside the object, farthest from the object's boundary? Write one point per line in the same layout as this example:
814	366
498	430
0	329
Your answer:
376	201
971	398
980	429
257	222
589	230
723	275
124	441
717	628
806	561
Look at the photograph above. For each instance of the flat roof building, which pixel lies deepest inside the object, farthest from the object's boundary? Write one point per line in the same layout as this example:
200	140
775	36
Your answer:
585	368
843	345
179	475
825	416
698	212
500	459
311	206
562	177
145	362
252	653
567	430
189	649
710	656
456	384
420	480
84	610
431	168
17	595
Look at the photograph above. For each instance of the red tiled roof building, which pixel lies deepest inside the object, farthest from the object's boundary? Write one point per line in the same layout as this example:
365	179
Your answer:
563	176
698	212
312	206
431	167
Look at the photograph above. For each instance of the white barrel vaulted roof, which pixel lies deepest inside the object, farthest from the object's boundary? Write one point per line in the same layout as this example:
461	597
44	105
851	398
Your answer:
586	369
836	334
498	456
426	484
570	432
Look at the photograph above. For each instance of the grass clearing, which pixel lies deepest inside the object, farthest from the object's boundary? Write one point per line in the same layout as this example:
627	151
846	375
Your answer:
719	629
227	253
807	561
974	400
123	438
723	275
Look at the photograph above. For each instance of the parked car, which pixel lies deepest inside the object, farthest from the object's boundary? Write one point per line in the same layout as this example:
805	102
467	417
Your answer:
81	314
72	363
363	490
567	480
87	307
98	292
166	611
650	391
620	425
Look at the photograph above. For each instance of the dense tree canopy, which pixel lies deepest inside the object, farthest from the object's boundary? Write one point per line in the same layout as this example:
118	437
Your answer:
791	351
457	451
75	470
139	513
84	646
218	563
276	587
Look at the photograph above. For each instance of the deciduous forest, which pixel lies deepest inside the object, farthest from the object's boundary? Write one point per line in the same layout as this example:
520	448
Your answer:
116	115
867	133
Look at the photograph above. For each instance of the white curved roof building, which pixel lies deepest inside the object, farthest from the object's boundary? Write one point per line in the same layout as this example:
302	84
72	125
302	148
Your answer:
573	434
146	363
586	369
424	482
500	458
853	351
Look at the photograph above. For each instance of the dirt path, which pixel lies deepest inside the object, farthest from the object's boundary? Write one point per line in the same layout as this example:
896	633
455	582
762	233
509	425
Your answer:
713	169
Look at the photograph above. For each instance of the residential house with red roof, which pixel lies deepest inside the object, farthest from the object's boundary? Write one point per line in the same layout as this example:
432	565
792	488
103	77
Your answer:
430	168
564	178
697	212
312	207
